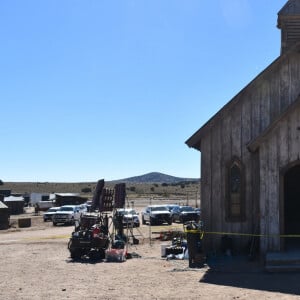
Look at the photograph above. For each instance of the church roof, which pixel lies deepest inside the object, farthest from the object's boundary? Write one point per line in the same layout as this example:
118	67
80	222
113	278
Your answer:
289	20
292	7
195	140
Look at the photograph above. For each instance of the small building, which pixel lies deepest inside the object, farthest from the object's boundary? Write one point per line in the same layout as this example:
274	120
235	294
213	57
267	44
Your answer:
250	154
14	204
37	197
5	193
69	199
4	216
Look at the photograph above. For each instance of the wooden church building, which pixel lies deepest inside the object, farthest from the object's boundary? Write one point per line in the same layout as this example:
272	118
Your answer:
250	154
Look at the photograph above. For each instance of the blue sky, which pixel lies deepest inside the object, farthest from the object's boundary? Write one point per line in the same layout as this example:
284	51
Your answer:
95	89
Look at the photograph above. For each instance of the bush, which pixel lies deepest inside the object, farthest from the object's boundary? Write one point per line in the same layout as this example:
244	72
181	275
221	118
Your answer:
132	189
86	190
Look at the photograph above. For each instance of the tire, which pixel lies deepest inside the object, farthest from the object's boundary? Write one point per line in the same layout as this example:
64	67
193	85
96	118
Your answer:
54	223
170	222
76	253
152	221
143	221
95	255
102	253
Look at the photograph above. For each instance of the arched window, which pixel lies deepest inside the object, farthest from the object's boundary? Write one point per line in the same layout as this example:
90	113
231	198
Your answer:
235	192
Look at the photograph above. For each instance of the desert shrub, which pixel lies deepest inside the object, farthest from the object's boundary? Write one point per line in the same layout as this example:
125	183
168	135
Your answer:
152	189
86	190
132	189
164	184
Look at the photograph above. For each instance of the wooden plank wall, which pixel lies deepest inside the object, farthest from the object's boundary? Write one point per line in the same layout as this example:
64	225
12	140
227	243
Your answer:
257	106
281	148
218	203
206	193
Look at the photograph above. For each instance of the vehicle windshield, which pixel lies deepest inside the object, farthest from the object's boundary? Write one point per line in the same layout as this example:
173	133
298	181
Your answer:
66	209
52	209
158	208
187	208
127	212
130	212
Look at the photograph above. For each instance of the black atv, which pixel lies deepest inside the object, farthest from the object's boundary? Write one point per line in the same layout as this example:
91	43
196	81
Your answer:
90	237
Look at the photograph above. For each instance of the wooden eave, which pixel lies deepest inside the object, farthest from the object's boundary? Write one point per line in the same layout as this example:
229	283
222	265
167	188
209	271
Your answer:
292	7
195	140
255	143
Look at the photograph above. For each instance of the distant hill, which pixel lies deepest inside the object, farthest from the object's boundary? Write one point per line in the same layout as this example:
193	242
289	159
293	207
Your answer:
156	177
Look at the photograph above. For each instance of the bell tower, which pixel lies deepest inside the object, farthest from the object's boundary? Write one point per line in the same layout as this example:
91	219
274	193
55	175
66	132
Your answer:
289	23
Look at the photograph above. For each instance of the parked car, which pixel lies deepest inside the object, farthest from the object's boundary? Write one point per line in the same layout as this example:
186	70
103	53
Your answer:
88	205
183	214
83	208
170	207
47	216
198	211
67	214
130	217
156	214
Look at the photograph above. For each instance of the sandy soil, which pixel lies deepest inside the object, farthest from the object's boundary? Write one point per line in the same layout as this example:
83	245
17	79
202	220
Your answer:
35	264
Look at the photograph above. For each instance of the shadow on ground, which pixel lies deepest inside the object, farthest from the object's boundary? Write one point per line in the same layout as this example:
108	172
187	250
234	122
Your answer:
240	272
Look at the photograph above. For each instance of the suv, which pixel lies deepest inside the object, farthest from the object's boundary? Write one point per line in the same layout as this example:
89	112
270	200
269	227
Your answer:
67	214
170	207
156	214
183	214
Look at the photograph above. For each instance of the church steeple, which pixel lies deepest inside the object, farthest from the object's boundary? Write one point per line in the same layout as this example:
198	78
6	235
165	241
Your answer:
289	23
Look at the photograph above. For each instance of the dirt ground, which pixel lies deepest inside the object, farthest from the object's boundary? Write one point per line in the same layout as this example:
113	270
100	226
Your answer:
35	264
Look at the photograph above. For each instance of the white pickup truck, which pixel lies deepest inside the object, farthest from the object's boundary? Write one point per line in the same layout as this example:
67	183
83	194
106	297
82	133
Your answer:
156	214
67	214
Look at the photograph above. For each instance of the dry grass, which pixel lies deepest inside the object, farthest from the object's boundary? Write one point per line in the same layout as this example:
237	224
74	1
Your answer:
187	193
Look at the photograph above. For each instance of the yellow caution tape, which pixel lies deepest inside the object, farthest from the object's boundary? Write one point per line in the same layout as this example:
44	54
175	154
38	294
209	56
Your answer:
202	233
192	231
195	231
48	237
254	235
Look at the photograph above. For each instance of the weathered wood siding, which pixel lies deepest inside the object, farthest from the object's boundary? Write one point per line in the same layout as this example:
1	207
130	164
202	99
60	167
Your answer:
206	191
279	149
243	120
